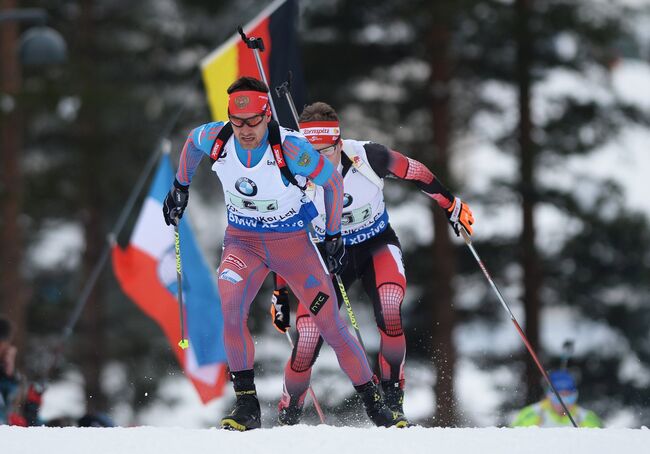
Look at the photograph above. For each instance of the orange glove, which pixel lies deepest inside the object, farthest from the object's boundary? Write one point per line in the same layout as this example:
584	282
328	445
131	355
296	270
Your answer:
280	310
459	215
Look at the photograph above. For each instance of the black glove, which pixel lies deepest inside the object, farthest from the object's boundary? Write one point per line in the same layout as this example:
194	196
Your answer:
280	310
334	253
175	202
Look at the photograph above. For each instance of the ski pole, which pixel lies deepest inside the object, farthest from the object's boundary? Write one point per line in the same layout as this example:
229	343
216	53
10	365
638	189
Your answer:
284	90
468	242
257	46
183	343
567	352
351	316
319	410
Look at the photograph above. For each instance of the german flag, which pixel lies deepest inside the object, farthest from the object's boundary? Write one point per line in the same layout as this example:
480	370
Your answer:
277	26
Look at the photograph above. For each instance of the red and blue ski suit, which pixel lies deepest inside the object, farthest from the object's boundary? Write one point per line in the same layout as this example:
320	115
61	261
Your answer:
253	246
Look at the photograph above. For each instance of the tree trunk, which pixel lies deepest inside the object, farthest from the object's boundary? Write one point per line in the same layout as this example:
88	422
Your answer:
529	255
94	338
13	293
92	148
442	250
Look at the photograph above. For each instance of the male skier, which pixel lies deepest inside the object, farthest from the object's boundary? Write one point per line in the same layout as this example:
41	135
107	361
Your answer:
263	168
373	250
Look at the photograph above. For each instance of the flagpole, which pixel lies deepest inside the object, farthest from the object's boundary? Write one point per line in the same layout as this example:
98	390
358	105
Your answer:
164	147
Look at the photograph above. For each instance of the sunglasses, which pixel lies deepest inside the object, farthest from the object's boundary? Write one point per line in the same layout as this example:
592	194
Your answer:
251	122
330	149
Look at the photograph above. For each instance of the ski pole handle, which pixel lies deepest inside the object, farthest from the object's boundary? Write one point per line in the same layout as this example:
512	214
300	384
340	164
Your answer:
284	89
257	46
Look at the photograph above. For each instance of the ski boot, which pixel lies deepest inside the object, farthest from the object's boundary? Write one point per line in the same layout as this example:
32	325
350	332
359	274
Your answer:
376	408
289	415
290	408
394	395
246	413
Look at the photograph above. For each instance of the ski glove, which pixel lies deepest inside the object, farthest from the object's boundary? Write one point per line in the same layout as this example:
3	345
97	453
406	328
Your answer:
175	202
334	253
459	215
280	310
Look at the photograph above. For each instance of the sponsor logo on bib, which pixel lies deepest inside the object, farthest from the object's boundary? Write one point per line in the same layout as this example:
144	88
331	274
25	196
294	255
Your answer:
246	186
347	200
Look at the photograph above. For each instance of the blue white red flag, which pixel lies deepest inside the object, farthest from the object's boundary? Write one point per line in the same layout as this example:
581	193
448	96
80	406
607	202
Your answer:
146	271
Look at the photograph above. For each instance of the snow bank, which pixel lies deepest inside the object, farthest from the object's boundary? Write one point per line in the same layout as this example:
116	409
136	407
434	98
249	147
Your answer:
321	440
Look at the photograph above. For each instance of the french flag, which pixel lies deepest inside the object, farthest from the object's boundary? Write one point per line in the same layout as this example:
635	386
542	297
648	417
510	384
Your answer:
146	271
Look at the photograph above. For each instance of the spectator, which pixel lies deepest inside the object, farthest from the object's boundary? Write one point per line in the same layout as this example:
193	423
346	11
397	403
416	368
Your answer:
549	412
8	379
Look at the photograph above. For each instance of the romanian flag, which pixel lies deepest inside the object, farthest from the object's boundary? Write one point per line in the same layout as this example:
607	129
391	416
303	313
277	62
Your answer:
146	271
277	26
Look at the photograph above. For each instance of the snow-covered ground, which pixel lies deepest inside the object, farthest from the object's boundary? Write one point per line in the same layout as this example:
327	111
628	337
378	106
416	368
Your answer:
322	440
625	159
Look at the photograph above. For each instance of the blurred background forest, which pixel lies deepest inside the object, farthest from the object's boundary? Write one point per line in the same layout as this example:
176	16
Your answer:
536	112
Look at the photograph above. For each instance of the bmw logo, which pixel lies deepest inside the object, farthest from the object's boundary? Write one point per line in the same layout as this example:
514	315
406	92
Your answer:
246	186
347	200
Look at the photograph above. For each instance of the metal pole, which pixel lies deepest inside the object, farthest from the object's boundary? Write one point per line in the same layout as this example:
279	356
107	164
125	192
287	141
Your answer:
468	242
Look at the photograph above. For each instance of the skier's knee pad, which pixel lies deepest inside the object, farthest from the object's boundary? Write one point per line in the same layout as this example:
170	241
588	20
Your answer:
307	346
389	318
